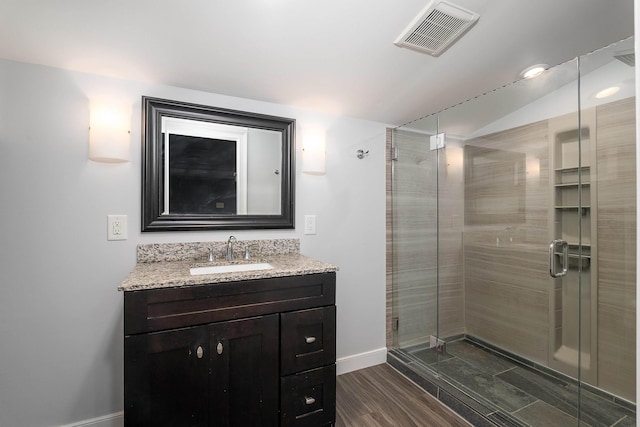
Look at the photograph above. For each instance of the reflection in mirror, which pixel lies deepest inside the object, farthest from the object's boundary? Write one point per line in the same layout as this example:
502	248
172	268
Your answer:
220	169
206	167
494	182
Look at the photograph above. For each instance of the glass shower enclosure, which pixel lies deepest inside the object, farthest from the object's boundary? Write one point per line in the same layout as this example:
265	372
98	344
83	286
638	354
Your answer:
513	243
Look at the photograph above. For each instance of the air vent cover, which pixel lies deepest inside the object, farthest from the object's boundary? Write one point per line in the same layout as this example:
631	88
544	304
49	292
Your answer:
437	27
626	56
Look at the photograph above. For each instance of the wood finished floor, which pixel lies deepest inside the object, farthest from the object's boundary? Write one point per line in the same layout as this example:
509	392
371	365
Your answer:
379	396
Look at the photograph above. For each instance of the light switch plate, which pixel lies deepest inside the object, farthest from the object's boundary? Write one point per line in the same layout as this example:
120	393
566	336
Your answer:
116	227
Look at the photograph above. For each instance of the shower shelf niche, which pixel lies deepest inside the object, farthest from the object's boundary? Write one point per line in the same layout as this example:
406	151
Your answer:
571	218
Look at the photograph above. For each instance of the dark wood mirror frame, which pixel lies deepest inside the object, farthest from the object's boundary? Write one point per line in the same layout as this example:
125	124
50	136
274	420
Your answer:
153	110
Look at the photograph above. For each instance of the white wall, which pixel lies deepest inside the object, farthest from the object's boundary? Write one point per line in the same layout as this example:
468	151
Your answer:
61	326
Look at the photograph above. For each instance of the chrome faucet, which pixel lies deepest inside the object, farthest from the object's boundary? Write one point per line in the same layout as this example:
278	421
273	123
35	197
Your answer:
230	242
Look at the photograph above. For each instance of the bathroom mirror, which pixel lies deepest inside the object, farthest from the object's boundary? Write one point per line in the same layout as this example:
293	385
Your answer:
211	168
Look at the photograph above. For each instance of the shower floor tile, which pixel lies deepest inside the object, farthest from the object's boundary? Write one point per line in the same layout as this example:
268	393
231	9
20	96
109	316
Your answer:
627	422
430	356
550	390
530	397
595	410
541	414
491	388
482	359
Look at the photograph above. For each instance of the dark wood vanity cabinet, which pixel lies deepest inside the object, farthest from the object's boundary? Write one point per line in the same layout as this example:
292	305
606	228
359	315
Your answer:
253	353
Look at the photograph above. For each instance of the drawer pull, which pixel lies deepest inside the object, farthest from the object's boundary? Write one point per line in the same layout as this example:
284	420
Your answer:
309	400
309	340
219	348
199	352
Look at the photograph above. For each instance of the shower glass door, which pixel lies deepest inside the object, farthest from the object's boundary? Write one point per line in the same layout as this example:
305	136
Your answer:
514	244
608	228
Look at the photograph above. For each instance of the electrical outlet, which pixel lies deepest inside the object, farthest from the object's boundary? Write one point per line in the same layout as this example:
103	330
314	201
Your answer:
116	227
309	224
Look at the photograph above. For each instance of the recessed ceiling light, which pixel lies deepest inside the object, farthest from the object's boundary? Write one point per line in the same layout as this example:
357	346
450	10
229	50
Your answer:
608	92
533	71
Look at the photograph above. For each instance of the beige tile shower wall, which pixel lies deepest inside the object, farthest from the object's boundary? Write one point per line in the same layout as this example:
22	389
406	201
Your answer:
415	245
505	261
616	182
507	302
531	141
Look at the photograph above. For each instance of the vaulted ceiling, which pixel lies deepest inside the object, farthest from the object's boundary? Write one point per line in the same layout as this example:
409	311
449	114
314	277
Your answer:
333	56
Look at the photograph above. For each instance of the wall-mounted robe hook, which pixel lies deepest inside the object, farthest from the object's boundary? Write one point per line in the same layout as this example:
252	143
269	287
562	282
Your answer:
361	154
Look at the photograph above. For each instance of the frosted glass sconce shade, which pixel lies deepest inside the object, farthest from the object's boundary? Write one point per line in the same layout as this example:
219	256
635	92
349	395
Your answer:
109	134
314	152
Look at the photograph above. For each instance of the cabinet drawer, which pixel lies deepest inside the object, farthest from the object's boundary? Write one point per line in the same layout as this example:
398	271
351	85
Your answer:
160	309
307	339
309	398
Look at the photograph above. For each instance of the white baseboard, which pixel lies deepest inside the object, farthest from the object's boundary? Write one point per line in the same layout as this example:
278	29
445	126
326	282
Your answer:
360	361
111	420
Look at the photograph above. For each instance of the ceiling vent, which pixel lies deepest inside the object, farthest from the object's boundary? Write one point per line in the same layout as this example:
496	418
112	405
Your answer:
626	56
436	27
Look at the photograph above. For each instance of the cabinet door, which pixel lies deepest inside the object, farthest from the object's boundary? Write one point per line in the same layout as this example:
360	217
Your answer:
244	372
166	378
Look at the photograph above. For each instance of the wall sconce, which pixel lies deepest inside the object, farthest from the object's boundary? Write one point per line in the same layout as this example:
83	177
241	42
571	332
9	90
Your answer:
109	132
533	168
314	152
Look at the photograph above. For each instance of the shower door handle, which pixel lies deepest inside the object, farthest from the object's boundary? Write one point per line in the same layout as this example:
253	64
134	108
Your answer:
552	258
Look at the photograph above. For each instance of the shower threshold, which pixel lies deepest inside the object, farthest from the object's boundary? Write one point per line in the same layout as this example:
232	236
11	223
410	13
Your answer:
489	387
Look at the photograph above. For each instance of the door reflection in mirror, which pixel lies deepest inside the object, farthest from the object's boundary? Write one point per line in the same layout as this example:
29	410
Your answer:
212	168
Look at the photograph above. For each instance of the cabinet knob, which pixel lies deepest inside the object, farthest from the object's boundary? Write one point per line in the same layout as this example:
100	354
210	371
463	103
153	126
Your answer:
219	348
199	352
309	340
309	400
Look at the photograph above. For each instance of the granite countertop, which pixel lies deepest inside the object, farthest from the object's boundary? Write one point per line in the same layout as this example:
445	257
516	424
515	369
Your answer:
171	274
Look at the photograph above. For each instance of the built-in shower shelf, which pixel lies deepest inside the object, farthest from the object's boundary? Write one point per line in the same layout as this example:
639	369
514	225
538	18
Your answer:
579	256
571	169
573	247
571	178
574	255
572	184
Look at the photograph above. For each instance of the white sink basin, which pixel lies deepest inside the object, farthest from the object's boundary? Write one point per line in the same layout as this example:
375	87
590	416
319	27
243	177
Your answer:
231	268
